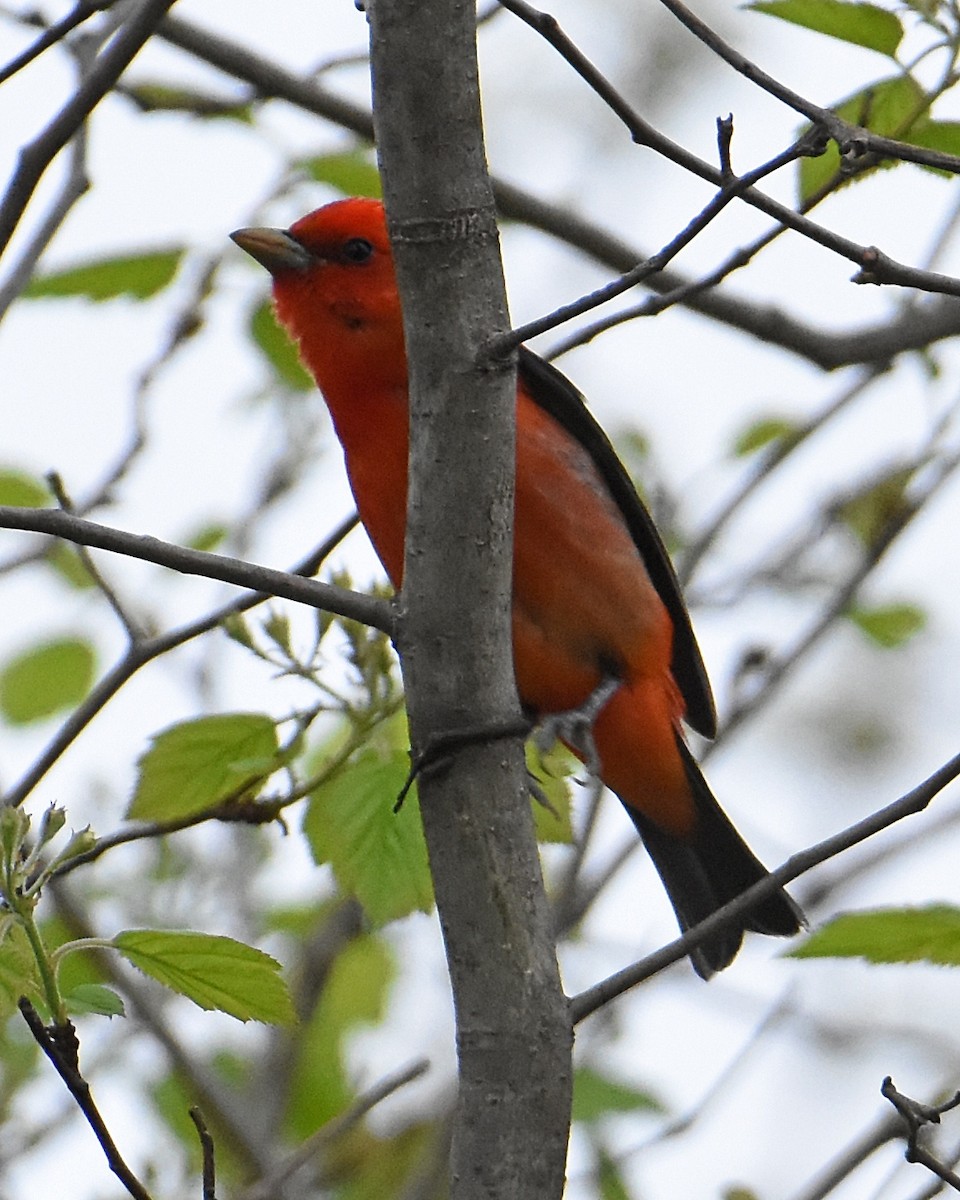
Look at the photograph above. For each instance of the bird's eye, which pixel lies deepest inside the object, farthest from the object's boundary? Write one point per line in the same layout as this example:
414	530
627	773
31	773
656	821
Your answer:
357	250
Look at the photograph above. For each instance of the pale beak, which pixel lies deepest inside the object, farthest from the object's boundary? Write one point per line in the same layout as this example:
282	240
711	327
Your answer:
274	249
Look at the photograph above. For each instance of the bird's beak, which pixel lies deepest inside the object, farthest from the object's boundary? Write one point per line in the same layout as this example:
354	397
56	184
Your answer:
274	249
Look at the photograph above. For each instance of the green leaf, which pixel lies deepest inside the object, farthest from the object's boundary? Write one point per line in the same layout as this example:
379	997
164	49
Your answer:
162	97
377	855
214	972
609	1173
936	135
889	107
889	935
18	967
207	537
45	679
355	993
352	174
14	827
865	25
277	348
67	563
138	276
549	772
869	512
196	764
20	490
596	1096
94	998
762	433
889	625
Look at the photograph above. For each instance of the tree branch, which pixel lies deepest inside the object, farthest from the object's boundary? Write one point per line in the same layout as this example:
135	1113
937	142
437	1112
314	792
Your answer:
59	1044
139	653
37	156
880	342
370	610
513	1028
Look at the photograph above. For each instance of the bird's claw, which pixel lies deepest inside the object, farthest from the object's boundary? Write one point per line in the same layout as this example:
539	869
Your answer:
574	727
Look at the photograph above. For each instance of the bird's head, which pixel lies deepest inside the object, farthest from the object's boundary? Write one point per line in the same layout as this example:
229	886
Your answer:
335	289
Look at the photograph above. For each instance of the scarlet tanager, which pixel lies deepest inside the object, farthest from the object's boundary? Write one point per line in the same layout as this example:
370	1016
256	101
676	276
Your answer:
594	593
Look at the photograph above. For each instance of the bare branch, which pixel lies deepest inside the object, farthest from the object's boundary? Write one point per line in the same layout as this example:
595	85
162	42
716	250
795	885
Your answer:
52	34
915	1117
853	141
37	156
368	609
828	350
140	653
59	1044
270	1185
730	190
208	1152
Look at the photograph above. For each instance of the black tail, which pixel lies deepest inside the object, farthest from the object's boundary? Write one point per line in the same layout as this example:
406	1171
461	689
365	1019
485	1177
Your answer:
704	872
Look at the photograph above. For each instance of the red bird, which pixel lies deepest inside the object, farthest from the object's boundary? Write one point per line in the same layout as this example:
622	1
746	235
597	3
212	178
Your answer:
594	594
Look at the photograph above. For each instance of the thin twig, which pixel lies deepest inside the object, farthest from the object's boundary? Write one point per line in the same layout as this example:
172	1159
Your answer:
875	266
269	1185
143	652
37	155
368	609
825	349
131	626
915	1116
767	463
52	34
209	1154
75	184
59	1045
730	189
853	141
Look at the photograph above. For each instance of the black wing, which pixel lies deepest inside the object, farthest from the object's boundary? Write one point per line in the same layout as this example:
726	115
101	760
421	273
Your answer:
557	396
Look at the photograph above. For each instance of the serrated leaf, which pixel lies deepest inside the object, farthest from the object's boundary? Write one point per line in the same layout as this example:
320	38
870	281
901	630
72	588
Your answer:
196	764
549	773
762	433
890	107
277	349
46	679
889	625
94	998
20	490
864	25
890	935
596	1095
138	276
352	173
214	972
377	855
18	968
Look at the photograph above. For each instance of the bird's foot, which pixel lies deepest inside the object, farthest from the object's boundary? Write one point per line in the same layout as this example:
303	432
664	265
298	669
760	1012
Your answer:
575	726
